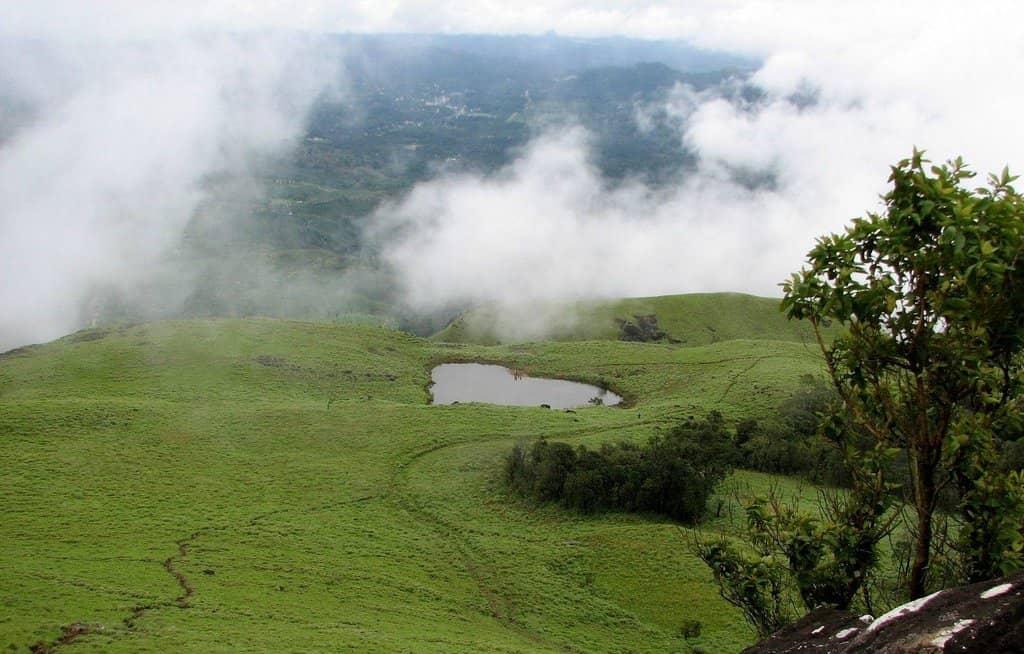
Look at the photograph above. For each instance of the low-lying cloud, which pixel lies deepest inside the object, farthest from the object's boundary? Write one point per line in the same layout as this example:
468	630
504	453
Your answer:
120	114
549	227
112	147
840	97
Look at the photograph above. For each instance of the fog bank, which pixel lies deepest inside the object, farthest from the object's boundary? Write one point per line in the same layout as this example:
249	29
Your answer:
840	97
110	147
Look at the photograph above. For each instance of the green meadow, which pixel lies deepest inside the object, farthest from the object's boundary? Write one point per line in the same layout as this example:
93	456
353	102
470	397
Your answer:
261	485
692	319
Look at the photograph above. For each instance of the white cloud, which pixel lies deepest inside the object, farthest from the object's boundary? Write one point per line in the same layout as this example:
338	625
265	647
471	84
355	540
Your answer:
886	76
548	227
119	18
884	79
105	175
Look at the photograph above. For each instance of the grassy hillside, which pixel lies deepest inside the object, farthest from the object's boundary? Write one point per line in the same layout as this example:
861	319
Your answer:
693	319
260	485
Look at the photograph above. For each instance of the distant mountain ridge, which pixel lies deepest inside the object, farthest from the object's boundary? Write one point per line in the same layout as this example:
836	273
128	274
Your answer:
555	53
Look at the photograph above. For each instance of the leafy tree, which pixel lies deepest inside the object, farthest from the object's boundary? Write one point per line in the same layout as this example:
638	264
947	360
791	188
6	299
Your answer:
789	442
553	463
788	556
673	473
931	295
644	330
756	585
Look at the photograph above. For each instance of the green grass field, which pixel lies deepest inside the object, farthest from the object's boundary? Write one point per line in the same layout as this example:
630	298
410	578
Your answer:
262	485
692	319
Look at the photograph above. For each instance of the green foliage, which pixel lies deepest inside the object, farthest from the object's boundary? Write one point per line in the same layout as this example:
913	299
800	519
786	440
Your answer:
690	629
754	584
823	560
644	329
991	505
789	442
931	296
673	474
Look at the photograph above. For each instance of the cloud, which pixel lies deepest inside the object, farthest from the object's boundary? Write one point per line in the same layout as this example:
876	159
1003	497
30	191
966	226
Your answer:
842	94
753	27
846	89
549	227
114	150
121	18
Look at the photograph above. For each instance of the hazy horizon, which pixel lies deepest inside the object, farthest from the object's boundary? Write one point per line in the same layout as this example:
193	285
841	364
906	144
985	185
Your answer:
115	117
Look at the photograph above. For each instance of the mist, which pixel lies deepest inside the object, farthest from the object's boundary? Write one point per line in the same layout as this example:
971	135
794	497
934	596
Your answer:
837	100
120	123
110	147
550	228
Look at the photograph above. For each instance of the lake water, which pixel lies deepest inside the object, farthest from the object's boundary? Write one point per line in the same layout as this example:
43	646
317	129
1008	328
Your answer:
477	382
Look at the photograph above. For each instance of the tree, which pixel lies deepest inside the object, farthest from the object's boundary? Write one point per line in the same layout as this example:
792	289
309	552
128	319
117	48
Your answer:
673	473
931	295
822	560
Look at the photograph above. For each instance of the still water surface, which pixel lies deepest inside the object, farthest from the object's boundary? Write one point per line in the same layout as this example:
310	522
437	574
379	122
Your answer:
476	382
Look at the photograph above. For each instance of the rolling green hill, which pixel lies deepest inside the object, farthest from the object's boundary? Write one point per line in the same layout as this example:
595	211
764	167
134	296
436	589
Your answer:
263	485
692	319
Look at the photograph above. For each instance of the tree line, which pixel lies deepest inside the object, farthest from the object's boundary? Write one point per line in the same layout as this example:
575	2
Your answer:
672	474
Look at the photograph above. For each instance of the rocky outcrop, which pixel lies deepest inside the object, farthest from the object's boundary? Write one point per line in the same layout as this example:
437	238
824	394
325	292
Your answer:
984	618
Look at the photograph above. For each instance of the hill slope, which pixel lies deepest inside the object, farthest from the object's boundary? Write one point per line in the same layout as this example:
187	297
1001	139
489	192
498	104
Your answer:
261	485
692	319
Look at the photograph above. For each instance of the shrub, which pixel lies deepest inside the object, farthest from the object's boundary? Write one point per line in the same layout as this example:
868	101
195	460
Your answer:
673	474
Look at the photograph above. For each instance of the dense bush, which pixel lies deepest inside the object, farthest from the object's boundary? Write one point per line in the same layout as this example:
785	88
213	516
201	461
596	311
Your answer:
672	474
788	442
644	330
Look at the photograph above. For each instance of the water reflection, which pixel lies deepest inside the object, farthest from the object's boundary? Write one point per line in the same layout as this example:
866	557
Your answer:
476	382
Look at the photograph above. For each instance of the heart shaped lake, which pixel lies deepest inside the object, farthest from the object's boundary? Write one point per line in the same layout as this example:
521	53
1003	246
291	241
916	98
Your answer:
477	382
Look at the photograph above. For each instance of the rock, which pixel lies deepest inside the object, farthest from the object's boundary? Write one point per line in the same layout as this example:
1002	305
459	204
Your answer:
983	618
815	632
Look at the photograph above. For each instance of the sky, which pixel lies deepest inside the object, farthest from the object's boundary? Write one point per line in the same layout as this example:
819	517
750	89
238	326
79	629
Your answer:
209	77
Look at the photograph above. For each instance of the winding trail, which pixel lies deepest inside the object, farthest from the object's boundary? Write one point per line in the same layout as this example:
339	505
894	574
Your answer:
69	633
172	563
72	632
188	590
741	373
500	607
